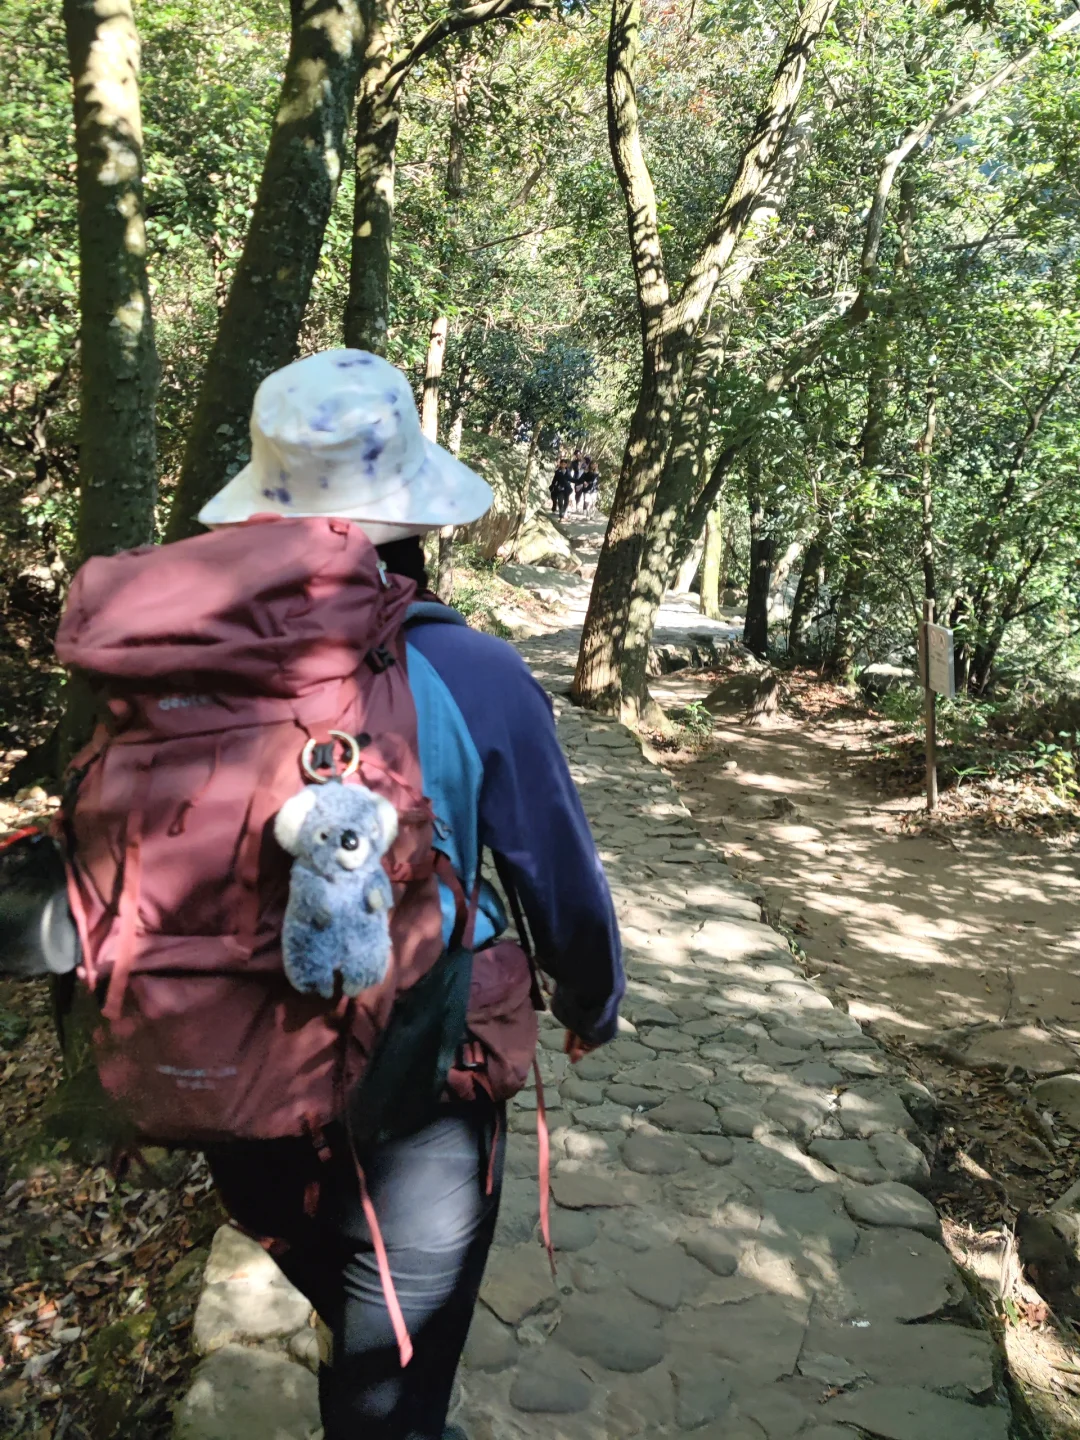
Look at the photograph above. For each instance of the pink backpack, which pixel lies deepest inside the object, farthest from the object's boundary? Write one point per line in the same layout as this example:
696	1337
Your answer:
222	657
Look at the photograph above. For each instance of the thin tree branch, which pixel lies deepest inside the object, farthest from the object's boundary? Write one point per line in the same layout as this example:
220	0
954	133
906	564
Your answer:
962	105
453	24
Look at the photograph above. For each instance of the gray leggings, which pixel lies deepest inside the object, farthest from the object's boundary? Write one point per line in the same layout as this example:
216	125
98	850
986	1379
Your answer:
437	1222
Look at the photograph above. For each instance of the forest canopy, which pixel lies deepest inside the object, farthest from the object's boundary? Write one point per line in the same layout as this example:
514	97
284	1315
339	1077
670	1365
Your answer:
841	332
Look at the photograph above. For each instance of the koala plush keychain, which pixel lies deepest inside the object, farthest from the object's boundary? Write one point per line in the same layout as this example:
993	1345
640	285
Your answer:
337	918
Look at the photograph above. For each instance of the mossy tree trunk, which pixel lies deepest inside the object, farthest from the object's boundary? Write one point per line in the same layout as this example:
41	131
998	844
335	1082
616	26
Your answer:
118	362
261	319
669	325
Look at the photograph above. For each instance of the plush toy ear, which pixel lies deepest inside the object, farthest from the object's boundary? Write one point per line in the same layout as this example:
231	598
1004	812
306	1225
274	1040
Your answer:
290	819
386	820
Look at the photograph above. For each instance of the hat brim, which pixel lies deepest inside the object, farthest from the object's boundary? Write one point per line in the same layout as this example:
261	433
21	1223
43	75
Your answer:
442	492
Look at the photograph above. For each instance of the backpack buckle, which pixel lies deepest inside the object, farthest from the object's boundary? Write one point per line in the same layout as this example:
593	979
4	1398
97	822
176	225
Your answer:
470	1056
318	756
380	659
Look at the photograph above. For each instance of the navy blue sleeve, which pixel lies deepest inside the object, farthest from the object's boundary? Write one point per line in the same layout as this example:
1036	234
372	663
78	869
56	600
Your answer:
531	817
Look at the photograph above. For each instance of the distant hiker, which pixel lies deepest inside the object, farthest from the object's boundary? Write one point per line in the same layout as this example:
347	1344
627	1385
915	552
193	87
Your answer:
248	671
581	483
562	487
591	497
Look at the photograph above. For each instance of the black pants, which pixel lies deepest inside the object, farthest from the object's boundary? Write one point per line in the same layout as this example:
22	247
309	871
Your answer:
437	1221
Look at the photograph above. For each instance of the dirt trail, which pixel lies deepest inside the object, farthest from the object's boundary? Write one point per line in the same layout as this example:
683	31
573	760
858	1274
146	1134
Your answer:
916	933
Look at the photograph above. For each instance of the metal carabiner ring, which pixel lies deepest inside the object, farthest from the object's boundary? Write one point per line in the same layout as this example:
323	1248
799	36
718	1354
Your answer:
352	748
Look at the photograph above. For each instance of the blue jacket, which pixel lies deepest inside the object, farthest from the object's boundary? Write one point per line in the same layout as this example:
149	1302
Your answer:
498	780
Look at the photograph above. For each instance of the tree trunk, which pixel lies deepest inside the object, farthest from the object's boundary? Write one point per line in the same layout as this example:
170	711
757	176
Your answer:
378	116
429	424
119	367
847	633
807	593
762	551
712	564
668	331
269	293
684	472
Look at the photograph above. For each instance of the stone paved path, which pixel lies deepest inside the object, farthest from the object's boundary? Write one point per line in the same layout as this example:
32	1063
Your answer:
743	1251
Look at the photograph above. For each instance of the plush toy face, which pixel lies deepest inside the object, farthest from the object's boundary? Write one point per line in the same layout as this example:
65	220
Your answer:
335	829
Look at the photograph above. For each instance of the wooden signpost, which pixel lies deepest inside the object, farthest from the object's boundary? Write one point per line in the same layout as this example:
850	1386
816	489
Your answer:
939	678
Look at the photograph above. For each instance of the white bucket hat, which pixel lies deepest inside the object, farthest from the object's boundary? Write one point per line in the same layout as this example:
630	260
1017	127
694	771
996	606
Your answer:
338	434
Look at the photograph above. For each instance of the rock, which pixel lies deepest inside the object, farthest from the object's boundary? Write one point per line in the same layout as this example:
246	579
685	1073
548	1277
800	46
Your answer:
572	1229
863	1111
716	1149
715	1249
780	1412
793	1037
549	1382
245	1297
655	1154
648	1012
642	1403
859	1063
762	1336
702	1390
905	1412
517	1282
671	1042
519	1210
737	1120
852	1158
950	1359
1061	1094
799	1113
690	1117
919	1102
490	1345
304	1347
897	1275
665	1278
808	1224
900	1159
576	1091
619	1332
601	1066
1019	1047
592	1145
605	1117
539	542
238	1391
634	1097
878	679
585	1189
890	1203
666	1075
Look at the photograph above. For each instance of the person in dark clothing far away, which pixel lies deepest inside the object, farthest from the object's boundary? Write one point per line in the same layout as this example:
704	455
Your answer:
591	497
385	1228
562	487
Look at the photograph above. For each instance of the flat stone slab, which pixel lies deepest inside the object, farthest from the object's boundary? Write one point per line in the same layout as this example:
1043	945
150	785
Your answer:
619	1332
897	1275
588	1190
245	1296
905	1412
491	1345
239	1391
950	1359
655	1154
851	1158
550	1382
893	1204
690	1117
517	1282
